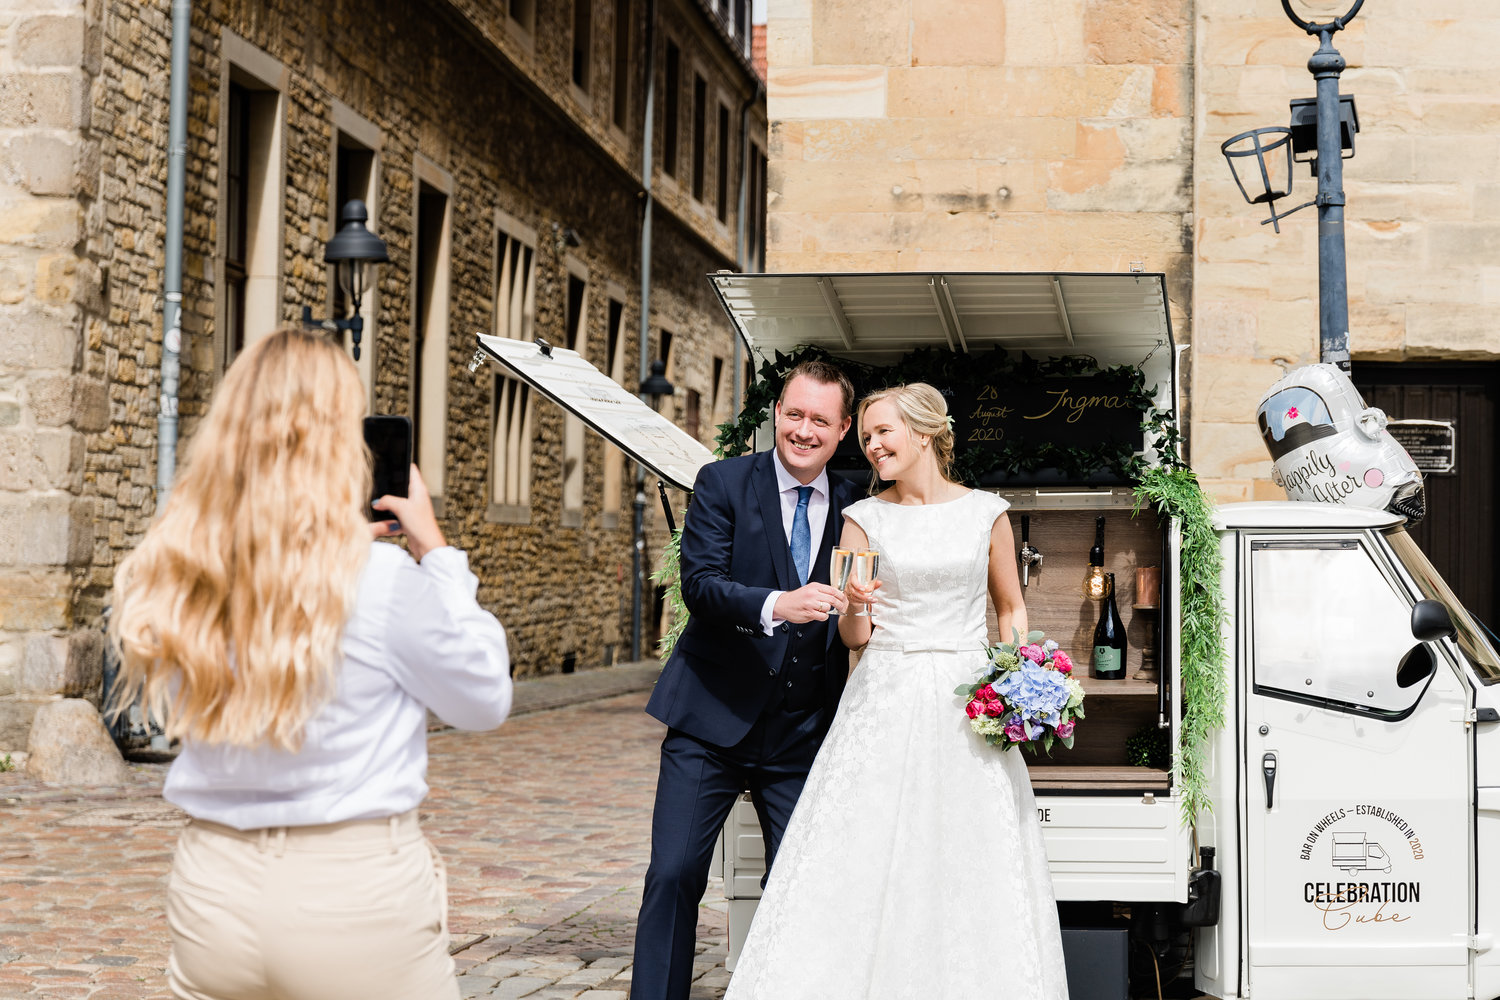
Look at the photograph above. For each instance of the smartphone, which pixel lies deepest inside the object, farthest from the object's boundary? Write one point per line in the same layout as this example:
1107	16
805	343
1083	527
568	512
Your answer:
389	440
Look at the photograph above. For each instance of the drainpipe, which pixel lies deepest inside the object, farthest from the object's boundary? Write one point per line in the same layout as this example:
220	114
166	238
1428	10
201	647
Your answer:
171	353
648	207
744	227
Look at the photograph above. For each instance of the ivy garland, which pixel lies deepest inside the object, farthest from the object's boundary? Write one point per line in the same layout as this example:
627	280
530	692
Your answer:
945	368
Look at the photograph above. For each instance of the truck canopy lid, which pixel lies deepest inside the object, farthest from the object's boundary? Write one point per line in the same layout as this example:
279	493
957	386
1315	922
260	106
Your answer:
567	379
875	318
1300	514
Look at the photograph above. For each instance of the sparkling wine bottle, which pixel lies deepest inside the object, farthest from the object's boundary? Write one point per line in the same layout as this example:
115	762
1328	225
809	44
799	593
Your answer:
1109	638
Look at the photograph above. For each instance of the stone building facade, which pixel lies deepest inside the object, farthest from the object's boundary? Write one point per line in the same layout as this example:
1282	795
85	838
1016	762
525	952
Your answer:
1085	134
499	146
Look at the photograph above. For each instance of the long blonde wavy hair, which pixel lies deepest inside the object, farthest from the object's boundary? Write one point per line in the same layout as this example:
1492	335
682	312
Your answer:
229	613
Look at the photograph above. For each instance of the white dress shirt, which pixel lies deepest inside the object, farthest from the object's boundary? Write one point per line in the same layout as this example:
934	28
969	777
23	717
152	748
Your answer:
817	518
417	640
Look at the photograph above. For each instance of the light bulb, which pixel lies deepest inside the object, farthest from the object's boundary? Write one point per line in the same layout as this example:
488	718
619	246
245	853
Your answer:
1096	584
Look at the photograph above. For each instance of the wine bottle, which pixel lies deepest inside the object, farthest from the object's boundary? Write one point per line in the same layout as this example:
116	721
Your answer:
1109	638
1093	580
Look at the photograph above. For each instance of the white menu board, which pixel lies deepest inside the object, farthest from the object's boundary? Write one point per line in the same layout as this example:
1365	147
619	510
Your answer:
568	380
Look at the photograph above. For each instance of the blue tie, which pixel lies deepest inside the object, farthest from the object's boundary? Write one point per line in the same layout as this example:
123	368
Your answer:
802	534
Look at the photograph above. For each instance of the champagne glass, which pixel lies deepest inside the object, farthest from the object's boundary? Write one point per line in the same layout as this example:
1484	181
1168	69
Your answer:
866	565
840	565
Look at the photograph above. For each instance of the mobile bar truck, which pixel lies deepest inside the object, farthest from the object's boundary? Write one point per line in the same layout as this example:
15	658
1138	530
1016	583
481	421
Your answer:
1293	791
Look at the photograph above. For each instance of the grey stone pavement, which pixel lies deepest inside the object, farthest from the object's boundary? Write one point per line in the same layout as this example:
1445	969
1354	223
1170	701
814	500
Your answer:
545	825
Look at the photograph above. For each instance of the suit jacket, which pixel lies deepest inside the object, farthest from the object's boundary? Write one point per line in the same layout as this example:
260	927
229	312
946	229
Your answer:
725	670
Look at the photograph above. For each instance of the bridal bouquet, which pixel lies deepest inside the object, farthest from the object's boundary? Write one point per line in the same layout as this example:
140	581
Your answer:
1026	695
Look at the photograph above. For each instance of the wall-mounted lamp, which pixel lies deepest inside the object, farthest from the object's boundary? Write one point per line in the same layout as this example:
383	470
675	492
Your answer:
354	251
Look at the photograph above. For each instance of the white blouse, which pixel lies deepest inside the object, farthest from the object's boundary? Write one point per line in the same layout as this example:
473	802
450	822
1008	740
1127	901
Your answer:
417	640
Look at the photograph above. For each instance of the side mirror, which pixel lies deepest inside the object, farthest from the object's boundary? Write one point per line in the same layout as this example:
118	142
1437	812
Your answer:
1430	621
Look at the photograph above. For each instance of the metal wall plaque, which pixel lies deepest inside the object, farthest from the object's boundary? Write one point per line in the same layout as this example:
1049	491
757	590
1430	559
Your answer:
1430	443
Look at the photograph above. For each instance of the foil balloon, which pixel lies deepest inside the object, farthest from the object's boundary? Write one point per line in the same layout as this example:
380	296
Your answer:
1326	445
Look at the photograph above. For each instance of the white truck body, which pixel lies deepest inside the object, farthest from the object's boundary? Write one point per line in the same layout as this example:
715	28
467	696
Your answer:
1356	876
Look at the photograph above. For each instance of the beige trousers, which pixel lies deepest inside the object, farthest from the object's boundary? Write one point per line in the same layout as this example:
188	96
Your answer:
355	909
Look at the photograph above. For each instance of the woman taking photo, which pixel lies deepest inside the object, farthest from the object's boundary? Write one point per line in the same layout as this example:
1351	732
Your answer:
296	659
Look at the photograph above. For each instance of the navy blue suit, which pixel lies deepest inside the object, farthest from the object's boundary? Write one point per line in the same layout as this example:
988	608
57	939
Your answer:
744	710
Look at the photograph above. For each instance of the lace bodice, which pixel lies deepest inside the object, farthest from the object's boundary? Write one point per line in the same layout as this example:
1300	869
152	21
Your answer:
934	561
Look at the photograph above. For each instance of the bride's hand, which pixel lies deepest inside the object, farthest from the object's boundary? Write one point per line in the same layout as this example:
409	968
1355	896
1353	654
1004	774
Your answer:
861	593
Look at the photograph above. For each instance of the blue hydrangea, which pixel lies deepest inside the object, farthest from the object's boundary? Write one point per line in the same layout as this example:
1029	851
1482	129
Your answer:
1038	694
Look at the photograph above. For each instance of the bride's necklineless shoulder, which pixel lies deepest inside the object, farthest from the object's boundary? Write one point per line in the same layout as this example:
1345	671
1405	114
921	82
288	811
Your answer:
891	497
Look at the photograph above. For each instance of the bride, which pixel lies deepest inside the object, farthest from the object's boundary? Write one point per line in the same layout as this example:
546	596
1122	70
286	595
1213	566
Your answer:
913	866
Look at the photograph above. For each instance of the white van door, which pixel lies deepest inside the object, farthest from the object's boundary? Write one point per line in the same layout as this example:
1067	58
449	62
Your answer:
1355	782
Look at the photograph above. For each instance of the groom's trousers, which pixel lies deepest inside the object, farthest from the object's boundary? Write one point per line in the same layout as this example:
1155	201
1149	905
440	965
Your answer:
695	791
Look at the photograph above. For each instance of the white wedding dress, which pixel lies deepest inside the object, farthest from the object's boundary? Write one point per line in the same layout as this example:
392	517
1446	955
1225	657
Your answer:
913	865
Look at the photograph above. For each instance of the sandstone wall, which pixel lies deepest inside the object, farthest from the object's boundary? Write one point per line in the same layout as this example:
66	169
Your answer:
51	401
919	135
1422	219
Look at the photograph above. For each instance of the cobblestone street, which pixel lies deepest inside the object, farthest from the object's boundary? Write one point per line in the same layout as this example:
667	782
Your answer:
544	824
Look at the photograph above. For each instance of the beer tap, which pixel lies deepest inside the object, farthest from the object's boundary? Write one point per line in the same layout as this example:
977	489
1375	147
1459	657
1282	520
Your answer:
1029	555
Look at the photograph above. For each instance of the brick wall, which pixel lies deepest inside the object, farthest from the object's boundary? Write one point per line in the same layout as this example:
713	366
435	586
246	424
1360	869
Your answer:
83	121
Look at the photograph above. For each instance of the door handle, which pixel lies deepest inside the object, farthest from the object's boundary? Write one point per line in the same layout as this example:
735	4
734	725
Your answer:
1268	772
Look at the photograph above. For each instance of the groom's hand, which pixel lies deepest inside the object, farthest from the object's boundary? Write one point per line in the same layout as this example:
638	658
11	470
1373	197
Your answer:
810	603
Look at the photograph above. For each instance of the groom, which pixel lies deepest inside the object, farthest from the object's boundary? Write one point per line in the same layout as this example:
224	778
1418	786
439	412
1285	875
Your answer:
751	687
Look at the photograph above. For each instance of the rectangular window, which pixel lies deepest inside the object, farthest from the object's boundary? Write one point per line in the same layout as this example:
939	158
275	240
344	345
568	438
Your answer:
429	377
583	33
690	415
669	110
614	458
700	130
1355	635
573	430
354	177
742	23
723	171
236	221
755	210
621	95
252	214
510	469
719	402
523	13
515	287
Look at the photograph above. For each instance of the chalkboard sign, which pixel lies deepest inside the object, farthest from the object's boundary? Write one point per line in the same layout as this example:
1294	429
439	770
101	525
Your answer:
1430	443
1070	424
1082	411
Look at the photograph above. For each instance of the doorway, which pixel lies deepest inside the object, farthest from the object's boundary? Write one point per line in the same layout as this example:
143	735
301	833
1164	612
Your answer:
1459	534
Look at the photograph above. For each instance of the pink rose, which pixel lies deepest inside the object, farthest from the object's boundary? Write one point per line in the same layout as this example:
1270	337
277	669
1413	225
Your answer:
1015	732
1061	663
986	693
994	709
1034	653
974	709
1065	729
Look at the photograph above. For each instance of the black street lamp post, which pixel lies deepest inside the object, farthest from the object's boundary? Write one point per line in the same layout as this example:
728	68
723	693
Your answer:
354	251
1335	123
652	390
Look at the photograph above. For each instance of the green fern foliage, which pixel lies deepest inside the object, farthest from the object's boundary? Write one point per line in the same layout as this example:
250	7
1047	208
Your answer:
1175	493
669	574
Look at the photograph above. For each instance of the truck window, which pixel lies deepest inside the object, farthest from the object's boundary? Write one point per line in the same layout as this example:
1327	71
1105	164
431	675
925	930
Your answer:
1328	627
1471	635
